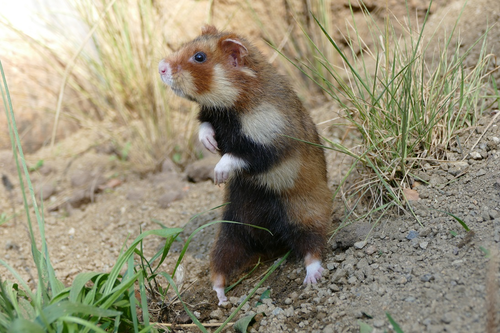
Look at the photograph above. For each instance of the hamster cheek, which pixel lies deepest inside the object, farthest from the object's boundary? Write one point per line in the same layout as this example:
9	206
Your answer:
206	136
226	166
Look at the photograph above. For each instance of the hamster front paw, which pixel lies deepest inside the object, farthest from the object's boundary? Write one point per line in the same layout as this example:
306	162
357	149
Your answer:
227	165
206	135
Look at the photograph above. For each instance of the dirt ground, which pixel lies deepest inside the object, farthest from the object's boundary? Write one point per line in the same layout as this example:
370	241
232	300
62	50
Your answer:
425	270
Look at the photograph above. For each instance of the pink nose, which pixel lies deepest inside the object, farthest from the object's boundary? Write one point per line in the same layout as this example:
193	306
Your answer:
162	67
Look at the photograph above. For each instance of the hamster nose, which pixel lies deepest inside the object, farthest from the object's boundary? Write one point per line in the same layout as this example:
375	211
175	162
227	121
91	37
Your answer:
162	67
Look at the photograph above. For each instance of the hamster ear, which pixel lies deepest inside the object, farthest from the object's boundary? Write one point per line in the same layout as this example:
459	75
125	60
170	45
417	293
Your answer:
208	29
236	51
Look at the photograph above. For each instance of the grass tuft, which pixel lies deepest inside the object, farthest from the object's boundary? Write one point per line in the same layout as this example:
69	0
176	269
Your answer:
406	108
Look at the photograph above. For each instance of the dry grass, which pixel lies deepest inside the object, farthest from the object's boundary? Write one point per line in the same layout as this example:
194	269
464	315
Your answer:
108	80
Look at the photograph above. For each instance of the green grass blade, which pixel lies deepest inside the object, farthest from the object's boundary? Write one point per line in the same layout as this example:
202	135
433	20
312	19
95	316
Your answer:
190	314
394	324
79	283
122	259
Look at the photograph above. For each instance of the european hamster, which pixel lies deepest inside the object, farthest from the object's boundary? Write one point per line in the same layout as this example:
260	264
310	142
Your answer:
250	115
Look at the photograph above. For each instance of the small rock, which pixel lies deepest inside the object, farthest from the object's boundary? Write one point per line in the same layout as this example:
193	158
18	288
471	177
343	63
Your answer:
402	280
288	301
340	257
277	311
360	245
485	214
480	173
46	191
71	231
494	214
80	197
410	195
216	314
410	299
166	199
378	323
475	155
352	280
331	266
10	245
412	234
424	232
234	300
370	250
184	319
135	194
226	305
448	317
424	245
202	170
168	166
333	287
436	179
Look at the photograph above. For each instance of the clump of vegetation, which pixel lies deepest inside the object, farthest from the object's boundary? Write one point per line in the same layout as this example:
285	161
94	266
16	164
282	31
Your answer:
406	109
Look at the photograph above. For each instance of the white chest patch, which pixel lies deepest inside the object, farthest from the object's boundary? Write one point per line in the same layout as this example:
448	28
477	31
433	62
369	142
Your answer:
264	124
281	177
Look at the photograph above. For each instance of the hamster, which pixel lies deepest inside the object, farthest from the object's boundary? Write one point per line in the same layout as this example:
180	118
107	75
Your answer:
251	116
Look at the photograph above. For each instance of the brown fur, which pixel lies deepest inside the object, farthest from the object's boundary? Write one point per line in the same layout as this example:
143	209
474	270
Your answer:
298	178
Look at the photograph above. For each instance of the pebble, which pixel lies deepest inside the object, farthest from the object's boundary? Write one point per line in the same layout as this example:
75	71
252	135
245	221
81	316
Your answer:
475	155
360	245
216	314
424	245
425	232
277	311
370	250
166	199
333	287
412	234
11	245
480	173
427	277
448	317
352	280
340	257
330	328
202	170
378	323
402	280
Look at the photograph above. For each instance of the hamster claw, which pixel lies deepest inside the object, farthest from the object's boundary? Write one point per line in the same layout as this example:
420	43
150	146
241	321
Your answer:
314	271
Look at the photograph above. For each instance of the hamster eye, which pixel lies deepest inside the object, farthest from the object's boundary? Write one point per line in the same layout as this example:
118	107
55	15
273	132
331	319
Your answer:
200	57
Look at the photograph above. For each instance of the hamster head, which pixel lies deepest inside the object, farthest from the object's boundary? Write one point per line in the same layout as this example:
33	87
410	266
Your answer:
213	69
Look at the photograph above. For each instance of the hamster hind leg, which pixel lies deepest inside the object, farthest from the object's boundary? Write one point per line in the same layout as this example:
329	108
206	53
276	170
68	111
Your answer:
230	254
308	242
